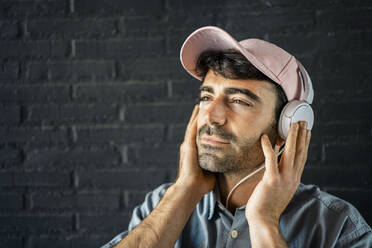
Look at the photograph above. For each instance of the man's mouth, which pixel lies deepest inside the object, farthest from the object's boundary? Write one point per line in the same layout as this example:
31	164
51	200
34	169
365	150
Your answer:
213	141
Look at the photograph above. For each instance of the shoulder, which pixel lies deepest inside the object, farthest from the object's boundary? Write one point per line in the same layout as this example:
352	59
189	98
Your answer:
328	213
151	200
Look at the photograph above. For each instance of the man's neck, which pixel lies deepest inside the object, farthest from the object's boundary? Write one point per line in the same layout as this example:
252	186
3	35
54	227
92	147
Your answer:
242	193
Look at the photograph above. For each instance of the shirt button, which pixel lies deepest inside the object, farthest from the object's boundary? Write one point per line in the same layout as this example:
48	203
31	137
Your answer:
234	234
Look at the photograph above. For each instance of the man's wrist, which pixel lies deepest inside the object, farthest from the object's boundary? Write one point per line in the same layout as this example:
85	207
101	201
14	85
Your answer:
266	233
264	222
190	191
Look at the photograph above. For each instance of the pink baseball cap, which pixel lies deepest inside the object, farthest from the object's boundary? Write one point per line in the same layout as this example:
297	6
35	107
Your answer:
271	60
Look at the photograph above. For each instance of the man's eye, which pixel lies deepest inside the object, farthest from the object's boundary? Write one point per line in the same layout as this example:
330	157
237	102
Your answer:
238	101
204	98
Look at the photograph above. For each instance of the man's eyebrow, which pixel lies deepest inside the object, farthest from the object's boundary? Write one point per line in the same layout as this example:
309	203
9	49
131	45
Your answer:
230	91
246	92
206	88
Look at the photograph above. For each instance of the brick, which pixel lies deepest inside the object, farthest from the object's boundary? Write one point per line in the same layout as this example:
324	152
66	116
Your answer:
8	94
8	29
133	198
127	92
259	22
182	27
145	113
120	135
293	22
300	45
348	154
343	19
329	88
348	43
339	64
103	223
11	242
152	68
119	49
9	156
36	224
11	202
142	26
176	132
10	115
336	112
188	8
37	71
336	4
60	49
165	154
341	44
34	49
77	156
147	179
72	113
33	8
82	70
26	135
12	49
67	28
338	177
341	132
188	89
8	72
34	179
117	7
43	93
82	201
314	154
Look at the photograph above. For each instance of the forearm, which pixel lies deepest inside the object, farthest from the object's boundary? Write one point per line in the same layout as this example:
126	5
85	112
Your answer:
165	223
266	235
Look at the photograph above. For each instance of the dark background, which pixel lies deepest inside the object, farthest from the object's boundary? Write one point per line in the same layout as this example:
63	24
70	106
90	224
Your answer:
94	103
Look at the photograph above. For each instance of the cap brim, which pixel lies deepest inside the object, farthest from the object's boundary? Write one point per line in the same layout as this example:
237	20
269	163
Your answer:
214	38
204	39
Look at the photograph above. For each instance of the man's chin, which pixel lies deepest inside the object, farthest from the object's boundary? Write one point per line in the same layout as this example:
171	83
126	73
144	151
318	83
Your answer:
211	163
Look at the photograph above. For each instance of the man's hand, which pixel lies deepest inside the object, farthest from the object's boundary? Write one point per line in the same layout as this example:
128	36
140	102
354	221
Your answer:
278	185
165	223
190	174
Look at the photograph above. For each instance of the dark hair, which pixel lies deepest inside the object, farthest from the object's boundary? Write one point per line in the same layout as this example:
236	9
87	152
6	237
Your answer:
232	64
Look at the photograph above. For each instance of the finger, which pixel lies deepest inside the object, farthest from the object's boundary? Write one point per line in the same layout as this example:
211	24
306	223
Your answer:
290	148
300	146
191	126
307	143
271	163
276	149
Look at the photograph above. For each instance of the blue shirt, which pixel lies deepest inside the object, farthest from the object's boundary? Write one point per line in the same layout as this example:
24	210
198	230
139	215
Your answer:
313	218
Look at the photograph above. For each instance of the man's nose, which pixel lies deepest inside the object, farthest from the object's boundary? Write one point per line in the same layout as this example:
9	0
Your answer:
216	112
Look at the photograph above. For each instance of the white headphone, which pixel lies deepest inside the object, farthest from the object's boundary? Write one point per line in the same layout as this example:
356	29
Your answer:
298	110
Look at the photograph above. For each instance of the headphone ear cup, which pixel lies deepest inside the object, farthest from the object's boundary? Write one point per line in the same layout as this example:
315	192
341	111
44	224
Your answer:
295	111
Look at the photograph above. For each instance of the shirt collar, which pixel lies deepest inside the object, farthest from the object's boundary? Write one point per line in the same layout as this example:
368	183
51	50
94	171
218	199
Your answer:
214	199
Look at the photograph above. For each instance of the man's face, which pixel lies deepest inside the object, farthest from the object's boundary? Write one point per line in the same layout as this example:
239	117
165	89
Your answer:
233	115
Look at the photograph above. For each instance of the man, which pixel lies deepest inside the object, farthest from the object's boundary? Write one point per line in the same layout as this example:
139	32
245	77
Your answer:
254	99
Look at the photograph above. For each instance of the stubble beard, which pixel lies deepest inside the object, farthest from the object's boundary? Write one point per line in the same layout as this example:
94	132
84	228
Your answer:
242	154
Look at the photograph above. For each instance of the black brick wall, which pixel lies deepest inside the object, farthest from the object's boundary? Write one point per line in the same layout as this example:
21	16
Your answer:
94	102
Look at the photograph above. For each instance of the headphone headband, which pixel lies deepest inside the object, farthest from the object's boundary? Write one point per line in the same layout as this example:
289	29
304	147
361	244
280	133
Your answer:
308	91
